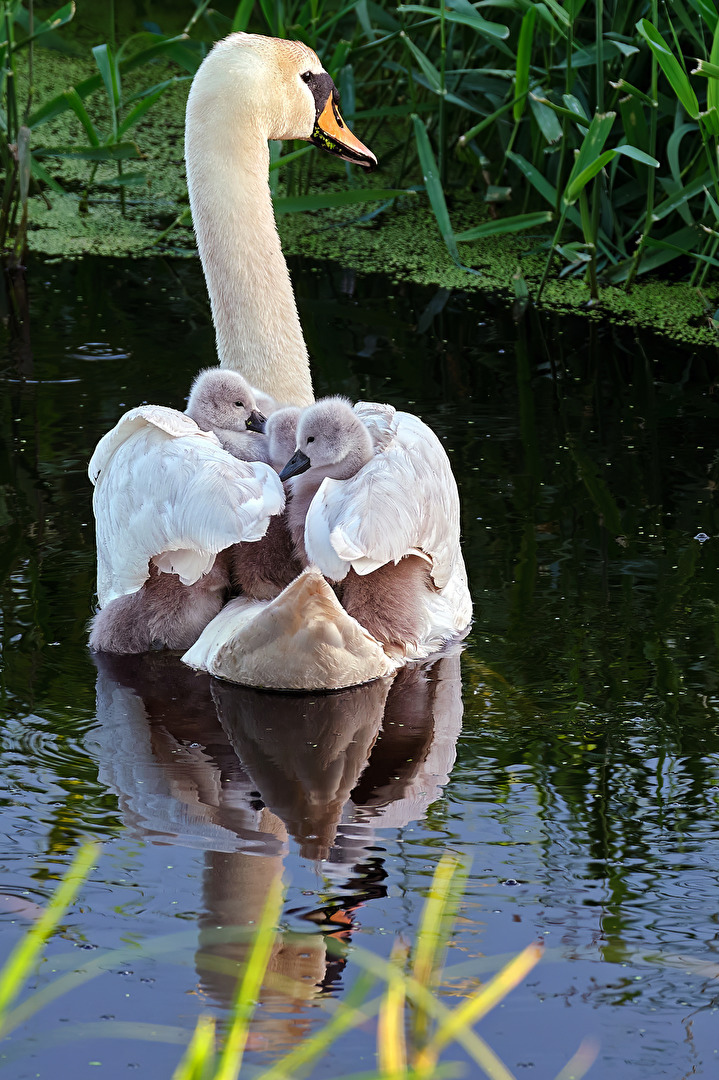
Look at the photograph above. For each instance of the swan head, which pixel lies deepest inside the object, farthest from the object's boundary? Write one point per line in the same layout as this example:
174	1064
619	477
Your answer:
281	432
220	398
279	88
331	439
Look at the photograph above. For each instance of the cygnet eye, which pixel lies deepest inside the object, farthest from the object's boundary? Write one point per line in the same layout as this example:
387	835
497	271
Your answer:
306	76
240	404
311	439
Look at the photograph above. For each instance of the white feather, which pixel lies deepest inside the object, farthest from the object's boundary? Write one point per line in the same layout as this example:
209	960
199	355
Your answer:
403	502
165	489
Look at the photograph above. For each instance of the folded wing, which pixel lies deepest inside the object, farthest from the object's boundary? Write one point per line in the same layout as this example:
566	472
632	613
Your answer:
404	501
165	489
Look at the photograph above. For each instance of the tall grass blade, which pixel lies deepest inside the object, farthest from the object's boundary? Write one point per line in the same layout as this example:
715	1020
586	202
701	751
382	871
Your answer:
474	1008
391	1043
17	966
297	204
546	118
704	67
518	223
543	186
242	16
278	162
108	71
138	112
350	1013
465	14
671	67
248	989
592	144
524	58
199	1053
62	16
713	84
433	187
41	173
487	122
707	11
434	926
429	71
75	103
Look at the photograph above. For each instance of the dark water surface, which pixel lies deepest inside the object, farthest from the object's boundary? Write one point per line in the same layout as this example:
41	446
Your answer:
575	760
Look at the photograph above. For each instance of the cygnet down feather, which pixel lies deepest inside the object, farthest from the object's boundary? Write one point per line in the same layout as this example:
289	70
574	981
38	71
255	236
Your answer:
223	402
262	569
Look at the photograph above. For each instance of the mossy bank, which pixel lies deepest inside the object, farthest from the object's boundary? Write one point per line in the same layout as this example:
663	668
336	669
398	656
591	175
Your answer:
402	240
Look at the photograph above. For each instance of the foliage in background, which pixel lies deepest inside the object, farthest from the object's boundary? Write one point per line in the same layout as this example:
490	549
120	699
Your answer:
597	123
413	1025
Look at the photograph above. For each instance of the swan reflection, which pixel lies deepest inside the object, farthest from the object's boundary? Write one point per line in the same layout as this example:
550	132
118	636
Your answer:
240	773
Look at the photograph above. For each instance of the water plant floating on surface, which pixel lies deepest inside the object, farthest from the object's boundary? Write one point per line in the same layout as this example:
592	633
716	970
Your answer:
404	502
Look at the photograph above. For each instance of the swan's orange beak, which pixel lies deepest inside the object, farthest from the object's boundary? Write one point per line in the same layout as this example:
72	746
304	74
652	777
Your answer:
332	134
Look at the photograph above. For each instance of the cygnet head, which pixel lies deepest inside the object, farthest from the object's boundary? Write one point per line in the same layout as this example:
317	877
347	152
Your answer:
279	88
222	399
331	439
281	432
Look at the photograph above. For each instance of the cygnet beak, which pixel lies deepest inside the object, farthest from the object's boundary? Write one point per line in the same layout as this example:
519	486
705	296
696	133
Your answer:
297	464
256	422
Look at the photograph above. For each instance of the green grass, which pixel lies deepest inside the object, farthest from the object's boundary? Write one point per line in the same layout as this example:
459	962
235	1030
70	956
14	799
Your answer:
583	123
400	997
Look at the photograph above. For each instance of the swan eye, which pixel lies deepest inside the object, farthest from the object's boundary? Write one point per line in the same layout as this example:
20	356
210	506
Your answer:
240	404
306	76
311	439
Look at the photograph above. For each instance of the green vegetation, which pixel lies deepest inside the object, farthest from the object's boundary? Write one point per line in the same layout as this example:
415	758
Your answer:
581	127
413	1025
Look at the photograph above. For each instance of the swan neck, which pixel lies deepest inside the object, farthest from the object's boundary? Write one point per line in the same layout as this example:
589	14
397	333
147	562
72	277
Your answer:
253	305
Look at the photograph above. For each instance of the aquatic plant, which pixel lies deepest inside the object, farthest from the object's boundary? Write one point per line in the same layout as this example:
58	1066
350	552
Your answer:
580	115
413	1024
582	124
22	153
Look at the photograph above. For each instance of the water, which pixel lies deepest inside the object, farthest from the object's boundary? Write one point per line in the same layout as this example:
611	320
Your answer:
571	753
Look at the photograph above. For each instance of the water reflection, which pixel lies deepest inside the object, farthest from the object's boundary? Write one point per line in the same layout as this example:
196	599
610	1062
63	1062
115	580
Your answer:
588	768
242	774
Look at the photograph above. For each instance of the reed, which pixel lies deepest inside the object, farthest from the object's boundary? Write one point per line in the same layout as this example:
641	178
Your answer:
400	997
594	135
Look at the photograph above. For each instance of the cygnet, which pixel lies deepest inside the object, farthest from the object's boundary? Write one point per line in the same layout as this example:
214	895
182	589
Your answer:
331	441
222	401
389	602
263	568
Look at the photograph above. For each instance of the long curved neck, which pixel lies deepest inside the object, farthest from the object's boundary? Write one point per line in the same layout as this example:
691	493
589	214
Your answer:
253	305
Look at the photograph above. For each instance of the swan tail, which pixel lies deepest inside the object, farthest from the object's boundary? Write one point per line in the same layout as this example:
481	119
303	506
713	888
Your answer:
302	640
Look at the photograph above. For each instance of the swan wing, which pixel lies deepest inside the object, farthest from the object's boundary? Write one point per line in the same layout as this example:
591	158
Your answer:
165	489
404	501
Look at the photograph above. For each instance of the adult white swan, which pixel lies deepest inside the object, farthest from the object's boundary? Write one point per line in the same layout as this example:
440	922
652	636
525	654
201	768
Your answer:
401	505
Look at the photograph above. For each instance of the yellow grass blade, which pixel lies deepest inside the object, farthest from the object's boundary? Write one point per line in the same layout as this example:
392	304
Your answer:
249	986
391	1042
480	1004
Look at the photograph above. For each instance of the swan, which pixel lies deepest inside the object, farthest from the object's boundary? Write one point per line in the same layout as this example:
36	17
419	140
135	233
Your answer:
281	430
402	503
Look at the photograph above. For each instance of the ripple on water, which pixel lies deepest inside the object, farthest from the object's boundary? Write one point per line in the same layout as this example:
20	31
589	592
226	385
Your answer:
97	351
